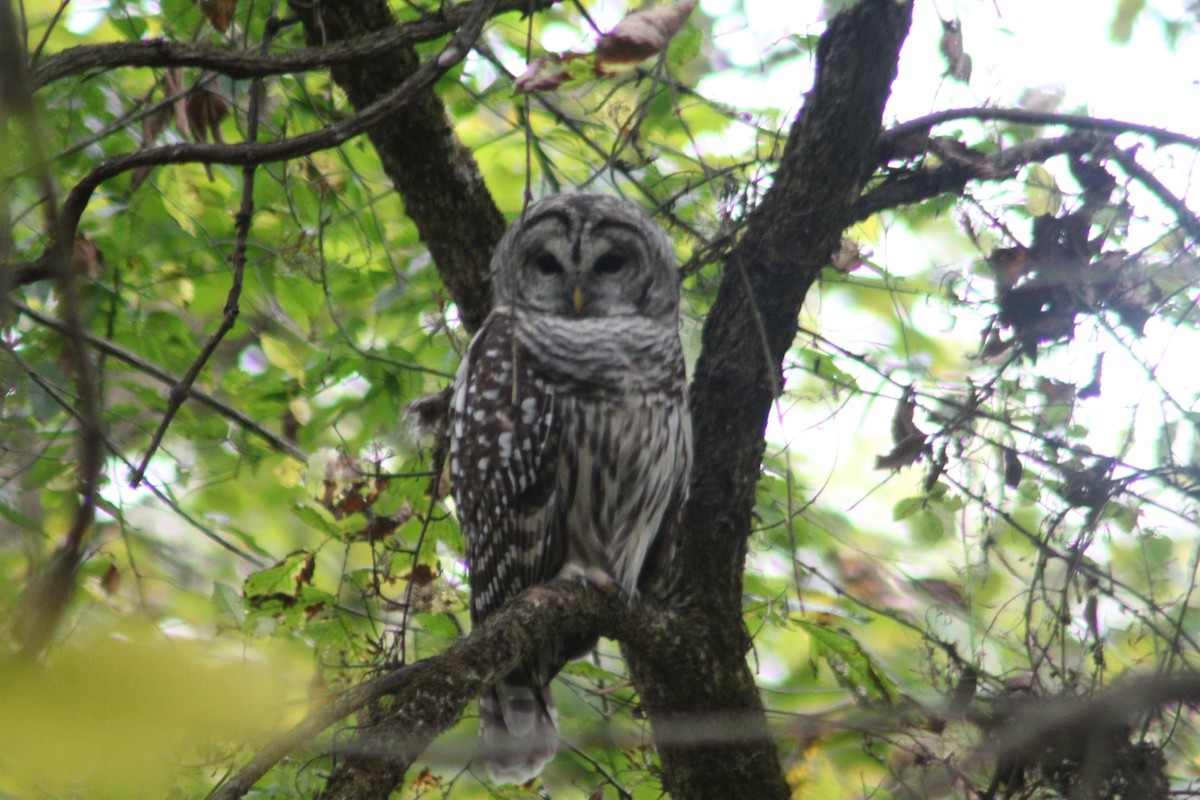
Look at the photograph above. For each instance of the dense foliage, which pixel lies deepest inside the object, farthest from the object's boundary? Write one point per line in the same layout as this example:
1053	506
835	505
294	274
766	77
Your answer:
978	503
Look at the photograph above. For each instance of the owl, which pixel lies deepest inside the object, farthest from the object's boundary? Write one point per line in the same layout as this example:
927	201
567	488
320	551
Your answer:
570	438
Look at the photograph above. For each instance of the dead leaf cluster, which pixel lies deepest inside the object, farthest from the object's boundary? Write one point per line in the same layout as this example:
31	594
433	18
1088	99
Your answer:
640	35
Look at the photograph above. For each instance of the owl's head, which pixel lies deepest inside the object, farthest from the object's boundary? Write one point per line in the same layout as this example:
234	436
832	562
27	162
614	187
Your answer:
586	255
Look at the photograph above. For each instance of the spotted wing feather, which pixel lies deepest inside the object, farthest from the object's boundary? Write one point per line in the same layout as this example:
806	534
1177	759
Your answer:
503	451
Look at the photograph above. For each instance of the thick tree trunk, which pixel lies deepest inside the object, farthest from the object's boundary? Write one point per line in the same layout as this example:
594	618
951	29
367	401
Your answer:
701	672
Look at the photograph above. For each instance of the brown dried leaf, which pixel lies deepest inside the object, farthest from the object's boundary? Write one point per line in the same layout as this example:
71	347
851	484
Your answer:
377	528
909	440
943	592
304	575
173	85
422	575
1091	616
958	62
110	581
205	108
219	12
154	124
383	525
427	781
848	257
345	480
543	73
1013	469
1009	264
643	34
864	579
86	258
1056	392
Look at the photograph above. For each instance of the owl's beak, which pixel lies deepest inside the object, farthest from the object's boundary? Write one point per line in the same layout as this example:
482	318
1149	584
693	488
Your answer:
577	298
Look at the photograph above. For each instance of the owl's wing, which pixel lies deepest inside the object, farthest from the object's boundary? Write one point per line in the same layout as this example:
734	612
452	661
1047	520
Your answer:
503	454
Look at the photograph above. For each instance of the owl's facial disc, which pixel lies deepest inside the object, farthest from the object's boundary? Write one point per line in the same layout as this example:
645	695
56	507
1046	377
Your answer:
583	267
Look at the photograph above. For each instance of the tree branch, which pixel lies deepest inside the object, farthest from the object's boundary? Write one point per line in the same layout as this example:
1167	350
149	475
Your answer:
46	595
427	697
1023	116
960	165
237	64
1187	220
242	220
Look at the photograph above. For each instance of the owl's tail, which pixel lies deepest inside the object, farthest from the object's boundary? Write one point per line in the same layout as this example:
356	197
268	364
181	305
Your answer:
519	729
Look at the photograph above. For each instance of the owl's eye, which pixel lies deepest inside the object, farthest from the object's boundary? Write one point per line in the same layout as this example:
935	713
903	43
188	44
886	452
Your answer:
609	264
548	264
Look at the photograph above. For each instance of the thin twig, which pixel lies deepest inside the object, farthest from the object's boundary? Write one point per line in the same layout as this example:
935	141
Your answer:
952	175
41	45
54	394
245	214
1129	163
227	411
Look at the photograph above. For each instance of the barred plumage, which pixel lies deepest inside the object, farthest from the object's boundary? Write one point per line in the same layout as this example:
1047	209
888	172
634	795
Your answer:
570	440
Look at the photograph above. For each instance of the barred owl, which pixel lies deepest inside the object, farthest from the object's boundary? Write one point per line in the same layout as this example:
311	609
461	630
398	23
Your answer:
570	439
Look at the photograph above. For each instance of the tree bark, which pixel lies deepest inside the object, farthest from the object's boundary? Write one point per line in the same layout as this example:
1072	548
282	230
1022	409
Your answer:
701	671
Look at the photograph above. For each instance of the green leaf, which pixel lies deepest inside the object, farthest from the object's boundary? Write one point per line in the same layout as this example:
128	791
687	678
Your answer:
282	580
228	603
19	519
1158	551
1120	30
907	507
1042	195
282	356
685	46
927	526
132	26
852	666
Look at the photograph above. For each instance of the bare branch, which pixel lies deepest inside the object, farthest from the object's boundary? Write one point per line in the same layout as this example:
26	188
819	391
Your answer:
236	64
1186	218
964	165
1026	117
